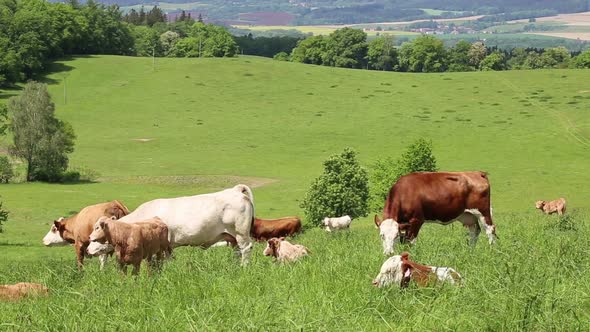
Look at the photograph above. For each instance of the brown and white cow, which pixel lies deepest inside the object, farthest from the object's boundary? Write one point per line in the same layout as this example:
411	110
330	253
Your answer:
133	242
436	197
401	270
264	229
284	251
550	207
77	228
22	290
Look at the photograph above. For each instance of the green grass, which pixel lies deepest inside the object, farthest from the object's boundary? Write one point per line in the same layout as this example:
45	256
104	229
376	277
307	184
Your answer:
216	122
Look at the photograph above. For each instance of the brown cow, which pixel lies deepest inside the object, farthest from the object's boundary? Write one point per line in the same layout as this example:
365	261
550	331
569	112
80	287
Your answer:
263	230
400	269
77	228
21	290
550	207
439	197
133	242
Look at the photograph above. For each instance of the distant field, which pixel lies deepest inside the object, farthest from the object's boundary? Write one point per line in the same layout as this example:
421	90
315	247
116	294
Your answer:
569	19
320	30
199	125
434	12
569	35
168	6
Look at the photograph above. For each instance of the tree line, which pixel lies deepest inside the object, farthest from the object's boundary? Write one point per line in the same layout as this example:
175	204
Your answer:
35	32
349	48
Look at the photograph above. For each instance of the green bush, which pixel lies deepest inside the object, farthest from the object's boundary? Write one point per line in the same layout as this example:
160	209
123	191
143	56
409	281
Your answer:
70	177
6	170
281	56
343	189
3	217
385	172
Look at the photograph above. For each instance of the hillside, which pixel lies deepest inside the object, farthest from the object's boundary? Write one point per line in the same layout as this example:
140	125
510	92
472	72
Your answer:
202	124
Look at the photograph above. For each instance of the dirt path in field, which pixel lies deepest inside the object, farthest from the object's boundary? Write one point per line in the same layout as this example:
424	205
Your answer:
221	181
569	35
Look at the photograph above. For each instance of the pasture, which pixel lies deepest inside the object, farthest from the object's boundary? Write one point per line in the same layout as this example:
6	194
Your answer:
200	125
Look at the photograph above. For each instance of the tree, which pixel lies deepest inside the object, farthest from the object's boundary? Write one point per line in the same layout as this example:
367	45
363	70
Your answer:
147	41
477	52
459	57
310	50
6	171
582	60
556	57
424	54
346	48
381	53
40	139
418	157
343	189
517	58
494	61
167	40
3	217
281	56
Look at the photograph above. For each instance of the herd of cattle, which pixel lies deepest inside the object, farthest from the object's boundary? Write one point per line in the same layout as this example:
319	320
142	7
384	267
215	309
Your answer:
228	218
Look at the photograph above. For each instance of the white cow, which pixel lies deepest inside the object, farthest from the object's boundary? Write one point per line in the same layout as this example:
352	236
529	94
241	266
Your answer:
337	223
202	220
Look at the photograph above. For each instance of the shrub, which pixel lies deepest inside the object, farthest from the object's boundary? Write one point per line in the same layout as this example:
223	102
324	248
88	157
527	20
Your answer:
281	56
343	189
70	177
3	217
417	158
6	170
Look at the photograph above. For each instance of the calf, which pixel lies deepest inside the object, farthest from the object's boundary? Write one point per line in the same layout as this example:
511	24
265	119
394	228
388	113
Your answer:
263	230
133	242
401	270
22	290
337	223
550	207
285	251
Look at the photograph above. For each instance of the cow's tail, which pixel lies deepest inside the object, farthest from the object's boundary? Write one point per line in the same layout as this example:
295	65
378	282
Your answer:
244	189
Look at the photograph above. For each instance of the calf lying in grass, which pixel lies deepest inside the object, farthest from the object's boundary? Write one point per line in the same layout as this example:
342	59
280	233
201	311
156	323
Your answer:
284	251
133	242
21	290
401	270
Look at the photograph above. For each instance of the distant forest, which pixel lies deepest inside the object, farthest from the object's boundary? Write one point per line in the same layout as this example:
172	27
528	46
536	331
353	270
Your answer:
367	11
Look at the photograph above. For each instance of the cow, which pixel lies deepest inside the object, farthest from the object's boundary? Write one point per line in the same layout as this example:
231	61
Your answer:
336	223
203	220
550	207
133	242
264	229
77	228
436	197
284	251
22	290
401	270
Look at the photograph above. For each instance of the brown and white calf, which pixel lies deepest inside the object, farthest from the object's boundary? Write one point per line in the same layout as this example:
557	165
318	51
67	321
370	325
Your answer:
264	229
133	242
21	290
550	207
284	251
401	270
76	229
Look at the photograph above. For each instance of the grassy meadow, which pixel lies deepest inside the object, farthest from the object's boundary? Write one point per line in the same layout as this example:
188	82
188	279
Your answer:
200	125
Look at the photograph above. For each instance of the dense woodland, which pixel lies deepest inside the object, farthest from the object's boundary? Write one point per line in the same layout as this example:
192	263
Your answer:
35	32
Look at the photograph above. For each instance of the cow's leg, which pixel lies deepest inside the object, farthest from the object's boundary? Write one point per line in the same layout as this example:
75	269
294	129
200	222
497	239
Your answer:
413	229
136	266
470	221
80	249
485	221
103	260
245	246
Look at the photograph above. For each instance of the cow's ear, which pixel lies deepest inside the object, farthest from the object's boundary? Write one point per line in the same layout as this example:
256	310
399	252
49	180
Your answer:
57	224
405	256
406	275
282	238
113	218
377	221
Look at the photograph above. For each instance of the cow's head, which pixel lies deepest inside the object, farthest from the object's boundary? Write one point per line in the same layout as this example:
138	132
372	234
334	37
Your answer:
100	229
540	204
58	235
389	231
97	248
326	221
272	247
391	272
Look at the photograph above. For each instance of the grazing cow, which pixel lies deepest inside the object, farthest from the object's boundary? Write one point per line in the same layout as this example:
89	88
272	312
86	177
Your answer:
401	270
284	251
550	207
133	242
337	223
203	220
437	197
21	290
77	228
263	230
